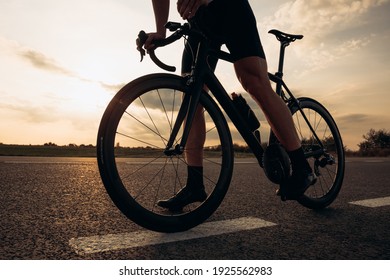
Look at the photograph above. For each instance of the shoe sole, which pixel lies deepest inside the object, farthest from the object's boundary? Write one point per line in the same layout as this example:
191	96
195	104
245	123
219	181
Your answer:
179	208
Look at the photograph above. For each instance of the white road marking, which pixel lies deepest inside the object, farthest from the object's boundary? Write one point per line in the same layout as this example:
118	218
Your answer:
376	202
111	242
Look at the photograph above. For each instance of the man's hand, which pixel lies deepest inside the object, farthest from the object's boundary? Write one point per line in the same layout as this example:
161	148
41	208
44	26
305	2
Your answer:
149	42
188	8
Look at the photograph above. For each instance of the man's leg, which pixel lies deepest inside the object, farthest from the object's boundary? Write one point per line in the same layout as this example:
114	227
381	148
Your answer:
253	74
196	139
194	190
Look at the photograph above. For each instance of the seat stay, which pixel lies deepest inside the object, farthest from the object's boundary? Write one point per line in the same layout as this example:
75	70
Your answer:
292	101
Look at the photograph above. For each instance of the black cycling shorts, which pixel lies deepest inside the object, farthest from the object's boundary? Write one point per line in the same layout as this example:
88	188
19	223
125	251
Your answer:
231	23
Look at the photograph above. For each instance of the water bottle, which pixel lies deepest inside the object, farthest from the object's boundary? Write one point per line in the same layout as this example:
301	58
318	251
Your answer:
244	109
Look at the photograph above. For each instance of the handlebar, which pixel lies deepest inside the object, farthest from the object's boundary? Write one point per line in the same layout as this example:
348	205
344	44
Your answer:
179	29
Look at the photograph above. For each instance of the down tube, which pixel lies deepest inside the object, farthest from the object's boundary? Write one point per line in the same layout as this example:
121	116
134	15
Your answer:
223	98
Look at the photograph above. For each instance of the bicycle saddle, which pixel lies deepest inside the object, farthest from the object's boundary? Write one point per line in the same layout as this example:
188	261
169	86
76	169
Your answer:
284	37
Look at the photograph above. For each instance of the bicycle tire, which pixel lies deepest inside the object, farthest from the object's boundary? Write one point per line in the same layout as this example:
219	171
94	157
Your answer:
135	177
331	175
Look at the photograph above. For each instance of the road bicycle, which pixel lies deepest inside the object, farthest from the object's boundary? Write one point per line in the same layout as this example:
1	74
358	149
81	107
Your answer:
142	138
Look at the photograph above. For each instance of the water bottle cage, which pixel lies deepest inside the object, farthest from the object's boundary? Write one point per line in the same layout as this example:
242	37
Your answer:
244	109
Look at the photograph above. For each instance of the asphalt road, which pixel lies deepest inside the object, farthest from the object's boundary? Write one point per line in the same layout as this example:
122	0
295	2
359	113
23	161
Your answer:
48	204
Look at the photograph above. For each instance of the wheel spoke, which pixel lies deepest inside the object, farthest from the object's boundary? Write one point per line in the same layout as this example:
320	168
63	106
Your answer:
154	124
323	135
137	171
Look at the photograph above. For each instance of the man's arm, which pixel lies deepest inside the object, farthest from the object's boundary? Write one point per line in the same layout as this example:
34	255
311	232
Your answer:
161	13
186	8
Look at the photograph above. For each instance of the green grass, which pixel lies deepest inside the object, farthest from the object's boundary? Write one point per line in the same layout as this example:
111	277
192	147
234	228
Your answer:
90	151
85	151
47	151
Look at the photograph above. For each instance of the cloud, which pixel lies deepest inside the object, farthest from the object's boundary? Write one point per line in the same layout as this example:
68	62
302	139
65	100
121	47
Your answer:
36	58
354	118
326	54
319	17
39	60
361	121
40	116
112	87
32	113
43	62
326	25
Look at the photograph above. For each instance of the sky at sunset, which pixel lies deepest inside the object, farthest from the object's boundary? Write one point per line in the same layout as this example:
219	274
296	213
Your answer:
62	61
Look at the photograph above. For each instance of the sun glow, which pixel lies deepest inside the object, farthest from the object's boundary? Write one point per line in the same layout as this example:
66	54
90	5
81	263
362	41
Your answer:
58	75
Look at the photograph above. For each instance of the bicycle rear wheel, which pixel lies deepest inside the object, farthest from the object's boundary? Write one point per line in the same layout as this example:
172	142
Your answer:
136	173
324	149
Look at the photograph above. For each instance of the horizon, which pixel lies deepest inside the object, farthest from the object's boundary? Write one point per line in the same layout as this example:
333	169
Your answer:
63	61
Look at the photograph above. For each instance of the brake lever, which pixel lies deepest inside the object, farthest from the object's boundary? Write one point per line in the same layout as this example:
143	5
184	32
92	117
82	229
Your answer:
142	37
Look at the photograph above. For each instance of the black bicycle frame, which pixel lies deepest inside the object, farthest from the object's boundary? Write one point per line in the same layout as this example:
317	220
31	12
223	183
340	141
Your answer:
202	75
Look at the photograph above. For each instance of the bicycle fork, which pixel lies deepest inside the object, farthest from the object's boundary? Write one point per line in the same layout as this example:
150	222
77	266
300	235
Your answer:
185	116
195	83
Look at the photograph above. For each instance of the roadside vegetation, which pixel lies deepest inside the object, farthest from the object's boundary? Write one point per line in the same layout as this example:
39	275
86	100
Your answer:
376	143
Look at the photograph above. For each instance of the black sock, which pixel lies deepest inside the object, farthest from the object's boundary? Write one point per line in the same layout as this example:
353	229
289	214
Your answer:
195	176
298	160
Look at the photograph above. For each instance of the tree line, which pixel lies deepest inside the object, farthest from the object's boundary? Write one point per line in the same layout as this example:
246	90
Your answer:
375	143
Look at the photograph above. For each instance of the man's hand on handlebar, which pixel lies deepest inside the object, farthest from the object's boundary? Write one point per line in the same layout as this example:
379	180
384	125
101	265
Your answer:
151	41
151	38
148	44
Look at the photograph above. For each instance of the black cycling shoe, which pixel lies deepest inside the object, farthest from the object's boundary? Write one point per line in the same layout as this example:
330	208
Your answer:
297	185
187	195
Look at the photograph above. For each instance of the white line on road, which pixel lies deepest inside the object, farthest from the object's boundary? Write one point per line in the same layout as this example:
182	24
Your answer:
376	202
111	242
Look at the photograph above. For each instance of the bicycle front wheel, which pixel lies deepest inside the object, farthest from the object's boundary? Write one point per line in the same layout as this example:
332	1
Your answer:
136	172
323	146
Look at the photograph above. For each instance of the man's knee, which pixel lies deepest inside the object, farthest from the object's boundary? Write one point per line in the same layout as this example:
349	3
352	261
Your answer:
257	87
251	83
252	73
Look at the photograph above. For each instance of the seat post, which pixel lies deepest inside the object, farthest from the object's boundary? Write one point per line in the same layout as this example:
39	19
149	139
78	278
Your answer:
279	74
285	40
283	46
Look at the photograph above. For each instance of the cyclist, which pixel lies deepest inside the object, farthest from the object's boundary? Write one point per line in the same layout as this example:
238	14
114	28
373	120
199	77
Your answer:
232	23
